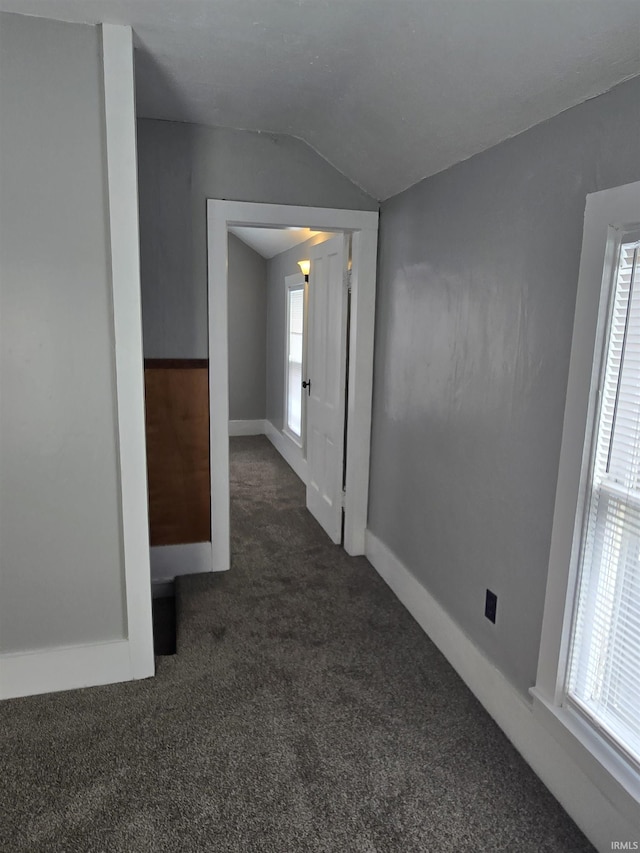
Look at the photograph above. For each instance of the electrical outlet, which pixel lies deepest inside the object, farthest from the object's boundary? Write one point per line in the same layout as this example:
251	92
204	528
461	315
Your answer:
491	606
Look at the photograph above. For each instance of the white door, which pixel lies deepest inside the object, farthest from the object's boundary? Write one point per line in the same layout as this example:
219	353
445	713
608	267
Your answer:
326	373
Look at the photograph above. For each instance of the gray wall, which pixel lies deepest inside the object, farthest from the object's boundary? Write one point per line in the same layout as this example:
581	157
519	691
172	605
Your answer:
180	166
247	316
60	558
478	269
278	267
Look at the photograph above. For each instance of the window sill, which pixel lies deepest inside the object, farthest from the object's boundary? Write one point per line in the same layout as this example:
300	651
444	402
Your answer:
616	778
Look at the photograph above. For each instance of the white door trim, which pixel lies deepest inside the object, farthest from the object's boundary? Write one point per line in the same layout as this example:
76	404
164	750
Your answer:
364	225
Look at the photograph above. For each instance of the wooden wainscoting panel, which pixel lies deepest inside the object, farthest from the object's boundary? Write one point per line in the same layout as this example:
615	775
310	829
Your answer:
177	420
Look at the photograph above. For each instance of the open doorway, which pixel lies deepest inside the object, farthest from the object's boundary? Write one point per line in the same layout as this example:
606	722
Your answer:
354	234
287	335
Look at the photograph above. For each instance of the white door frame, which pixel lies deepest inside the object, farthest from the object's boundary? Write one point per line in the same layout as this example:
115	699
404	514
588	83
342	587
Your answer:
364	227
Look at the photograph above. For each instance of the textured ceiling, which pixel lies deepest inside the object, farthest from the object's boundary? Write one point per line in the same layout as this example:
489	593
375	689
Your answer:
270	242
388	91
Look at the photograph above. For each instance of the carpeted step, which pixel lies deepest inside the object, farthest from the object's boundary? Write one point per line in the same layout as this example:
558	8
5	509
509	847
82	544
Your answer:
198	603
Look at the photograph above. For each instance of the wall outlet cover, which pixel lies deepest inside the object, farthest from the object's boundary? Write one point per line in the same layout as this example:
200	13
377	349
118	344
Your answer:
491	606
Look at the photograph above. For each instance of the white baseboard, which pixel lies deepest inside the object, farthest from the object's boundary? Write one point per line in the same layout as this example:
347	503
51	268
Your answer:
169	561
600	820
52	670
247	427
288	449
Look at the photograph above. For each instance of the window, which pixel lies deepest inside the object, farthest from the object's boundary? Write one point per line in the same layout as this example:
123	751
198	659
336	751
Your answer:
603	678
588	685
294	358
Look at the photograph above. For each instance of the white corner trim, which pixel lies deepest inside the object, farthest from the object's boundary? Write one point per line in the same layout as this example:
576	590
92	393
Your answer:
218	292
247	427
550	758
288	449
122	179
359	402
52	670
169	561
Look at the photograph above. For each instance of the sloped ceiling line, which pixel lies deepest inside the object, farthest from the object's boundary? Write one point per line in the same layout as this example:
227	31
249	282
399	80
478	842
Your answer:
387	91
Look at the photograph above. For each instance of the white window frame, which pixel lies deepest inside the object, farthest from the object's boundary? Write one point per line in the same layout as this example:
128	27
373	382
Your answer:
609	214
294	282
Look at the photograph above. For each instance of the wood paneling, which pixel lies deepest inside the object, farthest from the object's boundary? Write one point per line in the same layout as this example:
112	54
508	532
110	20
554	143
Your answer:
177	421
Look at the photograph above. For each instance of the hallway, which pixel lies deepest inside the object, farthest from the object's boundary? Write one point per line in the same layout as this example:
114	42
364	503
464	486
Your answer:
304	710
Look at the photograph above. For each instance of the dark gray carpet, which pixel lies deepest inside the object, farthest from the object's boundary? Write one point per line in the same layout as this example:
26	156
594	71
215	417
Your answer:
305	711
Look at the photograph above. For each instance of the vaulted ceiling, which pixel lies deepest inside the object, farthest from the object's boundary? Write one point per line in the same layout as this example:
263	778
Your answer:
388	91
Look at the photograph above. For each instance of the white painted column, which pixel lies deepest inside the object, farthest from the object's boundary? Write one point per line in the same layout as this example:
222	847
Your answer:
363	309
122	176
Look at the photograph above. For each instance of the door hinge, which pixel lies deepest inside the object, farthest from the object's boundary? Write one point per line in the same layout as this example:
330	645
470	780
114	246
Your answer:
343	498
347	279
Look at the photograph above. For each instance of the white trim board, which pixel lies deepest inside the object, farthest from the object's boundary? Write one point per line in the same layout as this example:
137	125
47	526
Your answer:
122	180
288	449
364	228
547	755
247	427
53	670
169	561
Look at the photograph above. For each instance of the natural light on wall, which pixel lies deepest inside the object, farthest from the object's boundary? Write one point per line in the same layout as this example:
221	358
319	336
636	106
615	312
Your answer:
295	327
604	672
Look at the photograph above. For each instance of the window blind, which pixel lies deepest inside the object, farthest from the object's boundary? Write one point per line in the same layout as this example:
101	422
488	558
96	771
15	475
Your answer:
604	666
